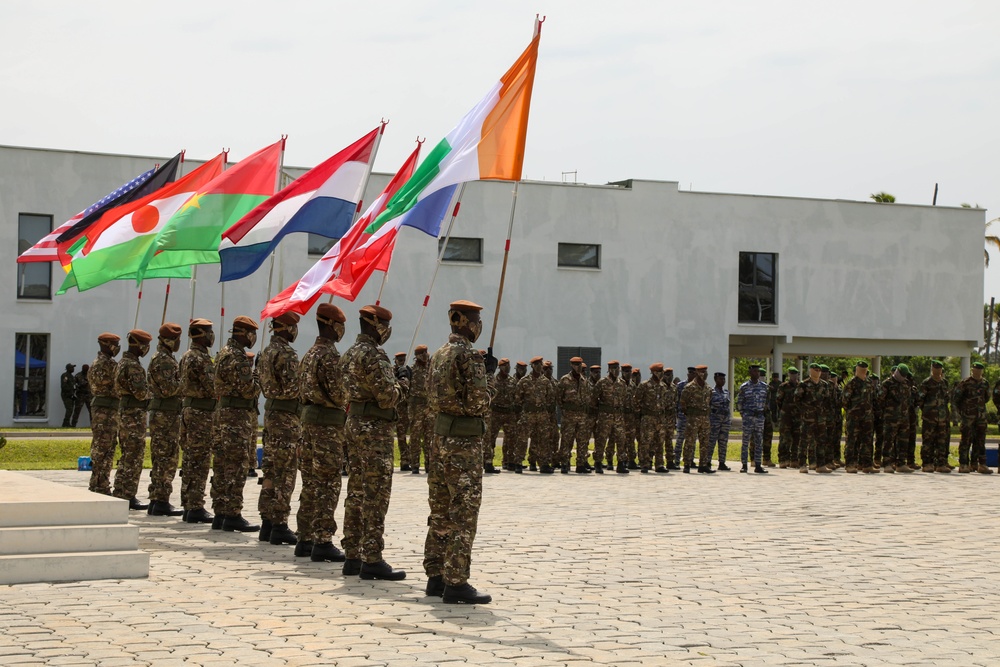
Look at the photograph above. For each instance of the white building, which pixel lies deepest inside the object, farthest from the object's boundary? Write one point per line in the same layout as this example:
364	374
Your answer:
637	271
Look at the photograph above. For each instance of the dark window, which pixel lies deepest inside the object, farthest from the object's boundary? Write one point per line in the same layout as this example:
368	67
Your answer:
318	245
758	287
591	356
462	250
34	280
583	255
31	361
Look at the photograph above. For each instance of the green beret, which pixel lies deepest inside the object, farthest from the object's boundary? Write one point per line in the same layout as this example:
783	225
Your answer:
903	368
823	367
792	369
978	364
937	364
861	364
816	366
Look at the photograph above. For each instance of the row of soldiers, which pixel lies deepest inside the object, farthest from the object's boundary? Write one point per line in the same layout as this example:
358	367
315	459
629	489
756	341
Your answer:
320	414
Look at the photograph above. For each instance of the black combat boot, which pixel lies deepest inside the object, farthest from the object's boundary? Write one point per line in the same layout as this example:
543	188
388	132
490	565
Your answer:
435	586
265	531
282	534
621	469
724	468
303	548
662	469
134	504
239	524
464	594
582	470
404	468
217	521
381	570
161	508
352	567
547	470
598	468
327	552
200	516
760	470
565	469
743	469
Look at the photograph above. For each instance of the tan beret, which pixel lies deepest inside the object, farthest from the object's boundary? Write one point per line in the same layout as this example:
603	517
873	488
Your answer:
613	362
170	330
547	364
522	364
656	367
330	313
701	368
244	322
535	360
200	323
108	338
503	361
139	336
595	367
668	369
400	354
576	360
464	305
636	371
628	366
420	348
377	311
290	317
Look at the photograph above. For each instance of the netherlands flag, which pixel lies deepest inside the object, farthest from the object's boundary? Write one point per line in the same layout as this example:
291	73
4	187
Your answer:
322	201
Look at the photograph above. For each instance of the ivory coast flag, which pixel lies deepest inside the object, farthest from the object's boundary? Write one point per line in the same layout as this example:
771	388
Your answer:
193	234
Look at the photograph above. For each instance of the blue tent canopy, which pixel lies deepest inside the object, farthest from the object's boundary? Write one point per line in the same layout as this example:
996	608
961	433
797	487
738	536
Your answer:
34	363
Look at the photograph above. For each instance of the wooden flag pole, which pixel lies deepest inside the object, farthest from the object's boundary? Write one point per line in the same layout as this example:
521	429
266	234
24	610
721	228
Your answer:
222	314
444	246
503	269
138	302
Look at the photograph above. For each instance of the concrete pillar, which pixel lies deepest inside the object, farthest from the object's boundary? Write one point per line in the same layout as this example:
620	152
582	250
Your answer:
877	365
732	386
966	366
776	362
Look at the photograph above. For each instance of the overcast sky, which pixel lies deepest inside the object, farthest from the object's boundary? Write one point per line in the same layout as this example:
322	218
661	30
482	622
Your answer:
833	100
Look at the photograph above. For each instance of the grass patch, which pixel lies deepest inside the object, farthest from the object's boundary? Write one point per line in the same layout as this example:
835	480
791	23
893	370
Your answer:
47	454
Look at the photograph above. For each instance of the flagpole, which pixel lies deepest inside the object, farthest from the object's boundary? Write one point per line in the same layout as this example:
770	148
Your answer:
194	269
222	314
503	268
385	276
444	246
166	297
138	302
277	188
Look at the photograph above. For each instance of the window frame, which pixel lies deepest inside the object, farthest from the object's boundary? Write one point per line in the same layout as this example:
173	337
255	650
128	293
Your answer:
561	265
444	256
748	290
22	269
21	384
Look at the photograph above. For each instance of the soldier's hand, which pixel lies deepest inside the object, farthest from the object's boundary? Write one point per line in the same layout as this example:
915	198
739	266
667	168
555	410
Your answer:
491	361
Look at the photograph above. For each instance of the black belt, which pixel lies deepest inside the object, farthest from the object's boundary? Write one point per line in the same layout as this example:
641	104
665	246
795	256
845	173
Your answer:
323	415
237	402
131	402
458	426
282	405
104	402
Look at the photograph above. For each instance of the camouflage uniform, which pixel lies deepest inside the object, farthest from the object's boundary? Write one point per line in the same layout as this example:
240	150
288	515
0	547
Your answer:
879	430
164	422
895	401
323	394
197	392
911	447
421	417
970	401
459	393
665	456
103	422
770	419
503	416
403	372
858	399
751	401
279	382
133	392
836	424
573	397
374	394
652	397
235	424
535	395
609	398
811	399
720	420
933	400
681	424
553	406
789	431
83	397
695	401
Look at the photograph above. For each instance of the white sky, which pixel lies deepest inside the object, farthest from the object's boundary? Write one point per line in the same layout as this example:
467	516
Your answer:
834	100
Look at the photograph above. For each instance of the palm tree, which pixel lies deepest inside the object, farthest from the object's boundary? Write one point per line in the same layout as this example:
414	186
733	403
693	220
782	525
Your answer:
882	198
991	239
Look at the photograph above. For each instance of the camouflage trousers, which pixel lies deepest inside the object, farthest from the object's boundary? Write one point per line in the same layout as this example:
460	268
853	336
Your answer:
164	443
196	445
78	407
718	434
402	435
421	435
321	462
609	438
767	439
836	436
536	427
972	446
455	492
911	442
859	449
809	435
679	446
575	429
507	422
69	404
665	456
879	438
936	441
369	449
824	443
895	435
753	436
652	438
488	452
232	429
697	428
104	426
789	436
252	451
632	426
280	465
132	439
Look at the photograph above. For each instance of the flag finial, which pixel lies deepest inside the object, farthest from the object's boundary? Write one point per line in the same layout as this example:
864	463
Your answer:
538	25
381	130
420	142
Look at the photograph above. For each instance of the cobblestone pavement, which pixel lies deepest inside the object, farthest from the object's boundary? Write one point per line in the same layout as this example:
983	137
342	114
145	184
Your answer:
726	569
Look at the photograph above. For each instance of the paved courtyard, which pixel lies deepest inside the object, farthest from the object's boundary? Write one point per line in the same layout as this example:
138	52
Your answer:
726	569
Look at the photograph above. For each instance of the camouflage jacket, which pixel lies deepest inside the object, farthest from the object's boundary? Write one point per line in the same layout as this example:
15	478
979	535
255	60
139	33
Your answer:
130	378
671	396
696	399
321	376
895	399
164	374
786	400
369	374
458	384
653	397
811	399
197	374
719	404
609	395
858	399
82	387
630	404
67	386
573	393
505	387
933	399
102	376
279	370
534	394
772	399
970	397
418	383
234	372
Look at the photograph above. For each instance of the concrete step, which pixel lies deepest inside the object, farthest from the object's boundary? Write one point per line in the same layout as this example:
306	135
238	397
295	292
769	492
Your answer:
68	539
75	566
29	501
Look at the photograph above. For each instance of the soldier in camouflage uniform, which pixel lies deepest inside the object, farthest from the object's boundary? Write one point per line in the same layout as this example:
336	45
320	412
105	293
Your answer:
518	442
608	399
858	399
811	400
67	391
695	401
534	394
824	442
403	372
911	443
503	415
681	418
720	420
238	390
771	418
421	417
104	413
197	393
751	401
789	430
652	397
933	400
279	382
573	397
133	396
375	394
164	420
664	458
896	397
552	408
83	395
323	395
459	393
970	401
592	380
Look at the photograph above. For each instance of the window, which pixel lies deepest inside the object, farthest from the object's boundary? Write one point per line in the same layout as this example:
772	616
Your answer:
31	361
758	288
460	249
34	280
580	255
591	356
318	245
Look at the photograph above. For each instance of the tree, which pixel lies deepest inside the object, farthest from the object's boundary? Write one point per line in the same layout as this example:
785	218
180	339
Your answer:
882	198
991	240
